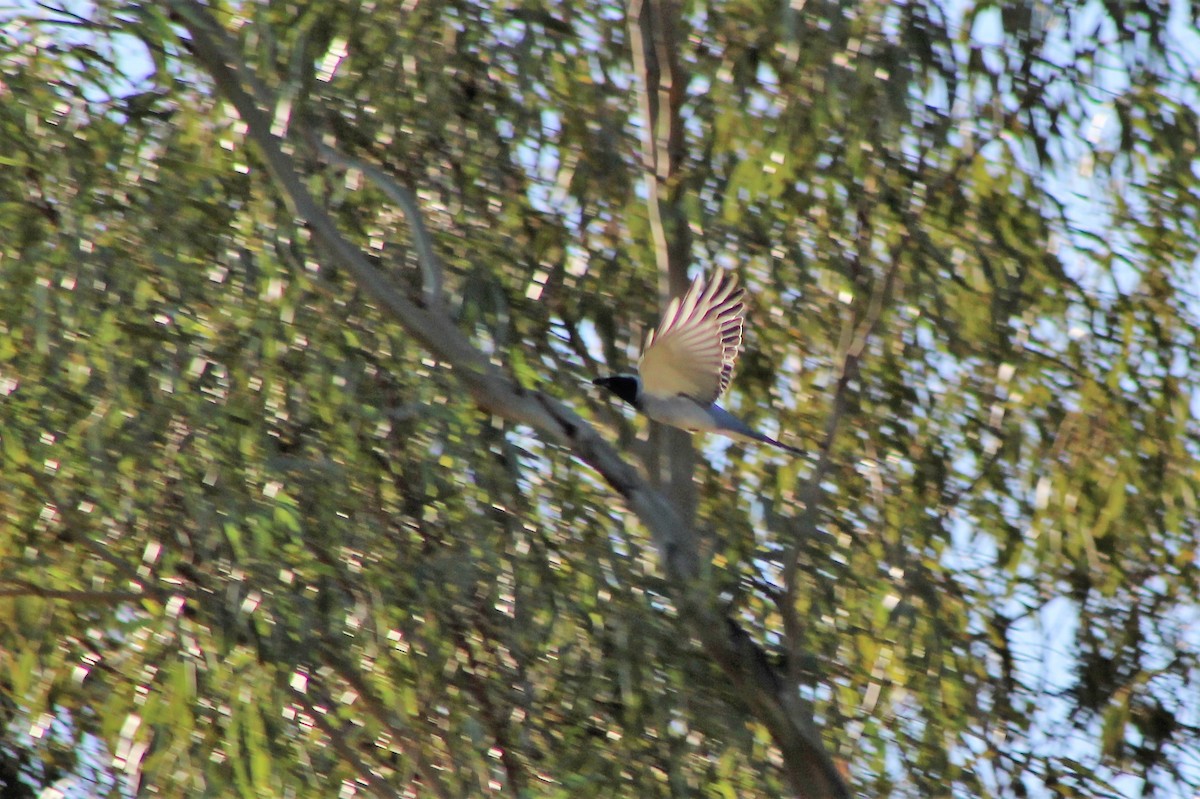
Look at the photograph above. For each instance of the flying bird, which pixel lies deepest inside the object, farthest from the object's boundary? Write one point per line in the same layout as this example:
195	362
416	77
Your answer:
687	363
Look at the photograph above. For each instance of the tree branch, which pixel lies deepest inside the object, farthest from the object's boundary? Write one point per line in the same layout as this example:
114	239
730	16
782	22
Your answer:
810	770
652	36
655	161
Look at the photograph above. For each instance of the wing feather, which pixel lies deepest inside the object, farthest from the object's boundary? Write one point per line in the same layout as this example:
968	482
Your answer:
696	344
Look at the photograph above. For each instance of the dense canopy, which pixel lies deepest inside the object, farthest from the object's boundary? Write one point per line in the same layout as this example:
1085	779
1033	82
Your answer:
304	489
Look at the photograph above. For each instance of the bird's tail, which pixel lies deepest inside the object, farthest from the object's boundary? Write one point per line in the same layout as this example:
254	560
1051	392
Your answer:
732	426
779	444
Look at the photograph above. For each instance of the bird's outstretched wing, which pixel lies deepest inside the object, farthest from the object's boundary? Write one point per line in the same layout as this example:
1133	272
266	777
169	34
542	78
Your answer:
694	348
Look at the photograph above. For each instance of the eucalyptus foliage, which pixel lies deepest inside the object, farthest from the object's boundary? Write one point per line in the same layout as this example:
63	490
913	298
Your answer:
258	539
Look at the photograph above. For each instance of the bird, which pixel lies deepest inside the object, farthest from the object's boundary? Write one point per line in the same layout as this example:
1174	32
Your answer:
687	363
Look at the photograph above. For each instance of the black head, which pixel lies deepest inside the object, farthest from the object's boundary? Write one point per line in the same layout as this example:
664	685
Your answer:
624	386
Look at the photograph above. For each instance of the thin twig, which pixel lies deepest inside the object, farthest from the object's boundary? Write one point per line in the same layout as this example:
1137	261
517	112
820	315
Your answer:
26	588
431	265
332	657
812	494
367	777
